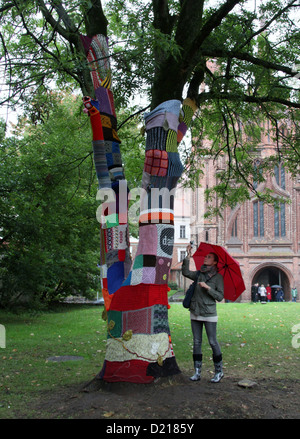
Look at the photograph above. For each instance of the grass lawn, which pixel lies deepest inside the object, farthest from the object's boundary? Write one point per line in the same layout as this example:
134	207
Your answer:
256	341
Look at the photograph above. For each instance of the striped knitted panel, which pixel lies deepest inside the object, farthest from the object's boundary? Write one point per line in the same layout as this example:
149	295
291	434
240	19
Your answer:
156	138
101	164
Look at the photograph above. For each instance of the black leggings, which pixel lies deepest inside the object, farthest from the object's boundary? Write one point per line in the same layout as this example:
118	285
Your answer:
211	332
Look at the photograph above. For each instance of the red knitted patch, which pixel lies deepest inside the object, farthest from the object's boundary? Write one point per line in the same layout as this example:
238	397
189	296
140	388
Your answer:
133	371
156	162
96	125
130	297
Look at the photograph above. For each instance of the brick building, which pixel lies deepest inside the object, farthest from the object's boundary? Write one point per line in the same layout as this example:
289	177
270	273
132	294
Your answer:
265	241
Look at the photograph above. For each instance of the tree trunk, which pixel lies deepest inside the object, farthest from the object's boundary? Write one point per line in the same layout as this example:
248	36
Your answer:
139	346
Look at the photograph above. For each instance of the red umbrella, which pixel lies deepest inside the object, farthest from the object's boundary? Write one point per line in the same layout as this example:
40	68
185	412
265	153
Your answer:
228	267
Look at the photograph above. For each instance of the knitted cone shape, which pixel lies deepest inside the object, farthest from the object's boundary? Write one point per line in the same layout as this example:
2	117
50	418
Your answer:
139	345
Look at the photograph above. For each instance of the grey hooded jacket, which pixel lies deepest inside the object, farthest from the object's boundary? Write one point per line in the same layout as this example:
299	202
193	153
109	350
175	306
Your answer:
204	301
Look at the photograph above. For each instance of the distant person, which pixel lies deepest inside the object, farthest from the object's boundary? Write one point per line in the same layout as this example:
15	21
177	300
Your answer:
262	292
269	293
294	294
254	292
279	295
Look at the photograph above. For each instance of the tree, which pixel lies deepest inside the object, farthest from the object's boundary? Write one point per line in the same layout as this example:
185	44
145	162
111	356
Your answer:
47	210
164	54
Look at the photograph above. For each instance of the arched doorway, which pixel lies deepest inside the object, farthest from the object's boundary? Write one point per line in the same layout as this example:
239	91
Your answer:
273	275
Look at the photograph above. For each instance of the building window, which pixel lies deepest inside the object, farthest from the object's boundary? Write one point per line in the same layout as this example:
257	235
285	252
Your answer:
206	236
234	228
261	219
182	232
279	172
258	219
279	221
182	255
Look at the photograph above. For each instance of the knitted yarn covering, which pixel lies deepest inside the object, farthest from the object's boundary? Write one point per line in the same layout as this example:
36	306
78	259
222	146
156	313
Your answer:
139	345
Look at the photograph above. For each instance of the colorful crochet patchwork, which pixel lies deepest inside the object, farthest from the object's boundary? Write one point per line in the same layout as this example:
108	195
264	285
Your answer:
139	346
156	162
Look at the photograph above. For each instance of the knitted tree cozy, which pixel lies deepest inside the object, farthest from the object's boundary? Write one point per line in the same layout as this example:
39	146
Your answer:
139	346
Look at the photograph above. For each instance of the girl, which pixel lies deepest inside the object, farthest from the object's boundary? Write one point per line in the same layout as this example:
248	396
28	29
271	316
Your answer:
209	288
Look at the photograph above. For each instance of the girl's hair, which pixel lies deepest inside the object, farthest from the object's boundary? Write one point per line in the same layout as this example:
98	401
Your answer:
216	257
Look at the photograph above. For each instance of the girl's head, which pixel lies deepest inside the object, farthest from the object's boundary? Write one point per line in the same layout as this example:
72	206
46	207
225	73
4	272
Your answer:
211	259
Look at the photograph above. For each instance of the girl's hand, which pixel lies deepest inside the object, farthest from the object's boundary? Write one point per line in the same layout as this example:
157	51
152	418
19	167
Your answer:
204	285
189	250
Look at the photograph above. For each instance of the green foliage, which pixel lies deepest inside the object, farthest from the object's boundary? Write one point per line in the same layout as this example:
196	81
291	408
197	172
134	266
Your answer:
47	210
163	50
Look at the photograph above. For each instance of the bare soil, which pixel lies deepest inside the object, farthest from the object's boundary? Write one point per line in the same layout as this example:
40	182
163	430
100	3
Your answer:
175	398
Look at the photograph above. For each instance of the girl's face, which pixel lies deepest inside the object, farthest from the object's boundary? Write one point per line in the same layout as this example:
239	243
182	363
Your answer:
209	259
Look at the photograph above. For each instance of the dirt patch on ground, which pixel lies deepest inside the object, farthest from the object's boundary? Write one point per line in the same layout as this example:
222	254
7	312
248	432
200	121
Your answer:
175	398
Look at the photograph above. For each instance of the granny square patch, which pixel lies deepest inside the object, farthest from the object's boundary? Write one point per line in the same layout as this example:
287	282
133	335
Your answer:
148	275
156	162
136	276
138	262
139	321
149	260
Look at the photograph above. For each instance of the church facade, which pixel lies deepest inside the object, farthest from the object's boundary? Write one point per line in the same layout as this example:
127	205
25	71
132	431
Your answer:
264	240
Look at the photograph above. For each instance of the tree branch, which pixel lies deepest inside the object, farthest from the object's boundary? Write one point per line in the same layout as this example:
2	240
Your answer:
189	23
64	16
243	56
213	22
46	50
7	6
268	23
95	20
51	20
162	18
205	96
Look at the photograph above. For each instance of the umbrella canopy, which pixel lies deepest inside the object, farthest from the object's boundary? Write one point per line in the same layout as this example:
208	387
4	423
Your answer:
276	286
228	267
